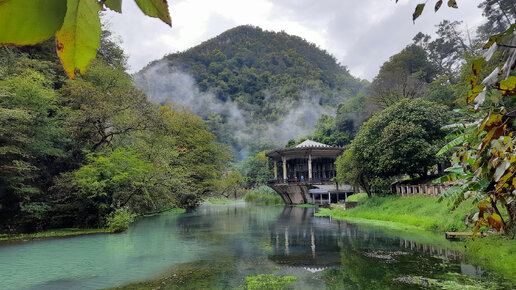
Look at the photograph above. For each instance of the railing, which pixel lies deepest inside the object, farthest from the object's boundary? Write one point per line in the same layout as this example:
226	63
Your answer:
300	180
419	189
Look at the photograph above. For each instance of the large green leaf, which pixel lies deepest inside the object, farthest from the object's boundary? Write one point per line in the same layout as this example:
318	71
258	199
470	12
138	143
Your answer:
115	5
25	22
455	142
79	37
155	8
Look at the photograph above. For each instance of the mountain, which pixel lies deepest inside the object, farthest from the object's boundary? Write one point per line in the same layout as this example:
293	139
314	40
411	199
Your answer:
254	88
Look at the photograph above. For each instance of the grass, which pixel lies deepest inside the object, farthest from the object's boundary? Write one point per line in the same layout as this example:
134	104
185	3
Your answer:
417	215
263	195
67	232
357	197
417	211
306	205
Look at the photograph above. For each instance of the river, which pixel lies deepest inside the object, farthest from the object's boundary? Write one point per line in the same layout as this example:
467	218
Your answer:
226	243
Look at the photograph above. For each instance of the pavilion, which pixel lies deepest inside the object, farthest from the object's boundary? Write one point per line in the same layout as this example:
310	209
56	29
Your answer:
307	171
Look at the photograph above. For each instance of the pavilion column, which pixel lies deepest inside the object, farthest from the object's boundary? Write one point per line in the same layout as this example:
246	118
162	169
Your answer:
309	166
284	161
275	170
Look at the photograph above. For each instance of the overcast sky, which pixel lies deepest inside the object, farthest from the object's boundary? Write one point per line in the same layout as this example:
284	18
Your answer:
361	34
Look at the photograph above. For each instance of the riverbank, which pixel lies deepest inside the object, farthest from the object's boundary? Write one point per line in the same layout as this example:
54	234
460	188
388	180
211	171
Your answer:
72	232
57	233
422	213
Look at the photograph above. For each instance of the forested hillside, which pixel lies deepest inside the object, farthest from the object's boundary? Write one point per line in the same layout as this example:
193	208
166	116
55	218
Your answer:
250	85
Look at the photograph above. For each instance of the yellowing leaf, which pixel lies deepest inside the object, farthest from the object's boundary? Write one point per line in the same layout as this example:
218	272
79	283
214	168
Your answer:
79	37
155	8
508	86
474	93
494	133
115	5
477	65
24	22
490	121
495	220
501	183
452	3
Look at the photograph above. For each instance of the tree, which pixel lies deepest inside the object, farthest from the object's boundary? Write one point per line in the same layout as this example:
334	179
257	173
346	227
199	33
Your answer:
402	139
500	15
327	132
32	145
446	51
256	169
405	75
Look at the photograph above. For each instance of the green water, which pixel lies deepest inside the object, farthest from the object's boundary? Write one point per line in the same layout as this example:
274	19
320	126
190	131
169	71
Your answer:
217	246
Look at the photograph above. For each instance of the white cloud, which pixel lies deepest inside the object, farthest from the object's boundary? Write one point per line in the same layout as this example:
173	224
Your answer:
361	34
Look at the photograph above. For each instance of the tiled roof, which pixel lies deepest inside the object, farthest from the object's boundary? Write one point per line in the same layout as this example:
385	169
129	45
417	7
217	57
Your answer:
310	143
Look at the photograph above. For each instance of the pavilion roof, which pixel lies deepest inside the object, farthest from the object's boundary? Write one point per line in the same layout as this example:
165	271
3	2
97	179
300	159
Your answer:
309	144
304	148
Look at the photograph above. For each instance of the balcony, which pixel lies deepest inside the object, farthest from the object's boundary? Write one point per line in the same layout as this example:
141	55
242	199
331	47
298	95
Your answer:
301	181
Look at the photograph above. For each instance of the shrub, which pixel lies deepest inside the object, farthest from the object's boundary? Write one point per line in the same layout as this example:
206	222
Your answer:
120	219
263	195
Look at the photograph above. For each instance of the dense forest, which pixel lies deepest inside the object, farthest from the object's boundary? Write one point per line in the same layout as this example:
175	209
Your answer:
93	151
250	85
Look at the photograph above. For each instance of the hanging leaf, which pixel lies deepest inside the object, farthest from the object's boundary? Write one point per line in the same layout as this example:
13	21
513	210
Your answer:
452	4
79	37
505	179
474	93
455	142
438	5
495	221
25	22
418	11
490	121
500	169
477	66
155	8
494	133
115	5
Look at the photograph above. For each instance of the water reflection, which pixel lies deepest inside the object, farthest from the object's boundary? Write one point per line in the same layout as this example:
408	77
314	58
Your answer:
356	255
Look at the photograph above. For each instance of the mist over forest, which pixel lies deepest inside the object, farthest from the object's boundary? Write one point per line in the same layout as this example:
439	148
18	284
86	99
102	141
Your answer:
255	89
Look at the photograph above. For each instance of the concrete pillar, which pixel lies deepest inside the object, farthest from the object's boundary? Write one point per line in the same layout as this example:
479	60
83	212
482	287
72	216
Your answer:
284	161
309	166
312	240
275	170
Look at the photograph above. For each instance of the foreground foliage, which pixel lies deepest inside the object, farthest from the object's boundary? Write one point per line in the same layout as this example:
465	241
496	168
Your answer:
75	24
